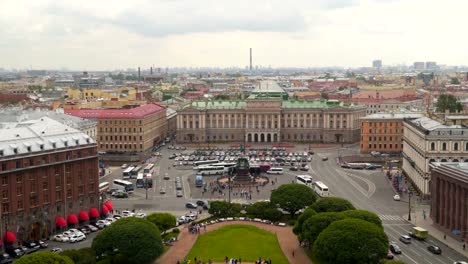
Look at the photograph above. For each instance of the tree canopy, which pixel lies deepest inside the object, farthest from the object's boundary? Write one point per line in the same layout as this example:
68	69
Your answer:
264	210
44	257
293	197
81	256
351	241
133	240
332	204
395	262
448	102
315	224
163	221
363	215
301	219
224	209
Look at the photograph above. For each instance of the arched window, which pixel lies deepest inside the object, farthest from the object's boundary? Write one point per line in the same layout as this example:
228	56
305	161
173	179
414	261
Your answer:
466	146
455	160
431	160
455	146
444	146
432	146
443	160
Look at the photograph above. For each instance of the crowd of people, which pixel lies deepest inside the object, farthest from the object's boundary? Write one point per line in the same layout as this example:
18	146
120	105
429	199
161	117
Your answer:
227	260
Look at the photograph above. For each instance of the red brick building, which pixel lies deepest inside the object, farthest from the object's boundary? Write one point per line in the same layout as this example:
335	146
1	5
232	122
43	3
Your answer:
48	173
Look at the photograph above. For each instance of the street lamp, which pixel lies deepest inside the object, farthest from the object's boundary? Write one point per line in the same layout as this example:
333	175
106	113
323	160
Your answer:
409	205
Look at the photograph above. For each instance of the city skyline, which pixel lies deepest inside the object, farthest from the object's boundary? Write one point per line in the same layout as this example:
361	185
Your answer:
119	34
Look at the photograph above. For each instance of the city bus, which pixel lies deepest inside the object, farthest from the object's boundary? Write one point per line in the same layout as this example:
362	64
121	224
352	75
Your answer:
358	166
321	189
226	165
135	171
204	162
127	172
210	170
275	171
123	185
199	181
304	179
104	187
149	168
140	181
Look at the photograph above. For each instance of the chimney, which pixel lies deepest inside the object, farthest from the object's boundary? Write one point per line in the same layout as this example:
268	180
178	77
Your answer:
139	74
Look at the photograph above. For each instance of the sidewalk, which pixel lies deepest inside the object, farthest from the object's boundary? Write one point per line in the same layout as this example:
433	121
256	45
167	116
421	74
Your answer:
417	219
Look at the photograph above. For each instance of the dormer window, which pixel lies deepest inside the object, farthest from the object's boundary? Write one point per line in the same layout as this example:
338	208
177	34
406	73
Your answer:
28	148
65	143
15	150
41	146
1	152
54	145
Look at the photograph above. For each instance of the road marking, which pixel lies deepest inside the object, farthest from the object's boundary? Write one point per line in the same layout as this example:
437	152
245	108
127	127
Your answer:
406	255
352	182
391	218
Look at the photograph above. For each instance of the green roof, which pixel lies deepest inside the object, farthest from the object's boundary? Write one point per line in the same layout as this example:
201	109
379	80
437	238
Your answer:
225	104
316	104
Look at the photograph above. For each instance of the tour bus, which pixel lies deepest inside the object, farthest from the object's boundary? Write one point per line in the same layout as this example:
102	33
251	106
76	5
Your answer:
123	185
135	171
358	166
321	189
140	181
226	165
149	180
275	171
304	179
203	162
199	181
127	172
149	168
104	186
210	170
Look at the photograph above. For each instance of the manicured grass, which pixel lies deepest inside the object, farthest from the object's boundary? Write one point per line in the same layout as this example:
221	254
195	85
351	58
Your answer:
238	241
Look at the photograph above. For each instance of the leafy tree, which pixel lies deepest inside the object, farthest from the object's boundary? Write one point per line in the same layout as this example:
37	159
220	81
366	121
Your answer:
133	240
324	96
293	197
302	218
448	102
394	262
332	204
363	215
264	210
313	226
163	221
44	257
224	209
454	80
81	256
351	241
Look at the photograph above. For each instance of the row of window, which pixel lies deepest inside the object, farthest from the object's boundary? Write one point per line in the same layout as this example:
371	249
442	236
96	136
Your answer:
120	122
125	138
390	138
120	130
455	146
120	146
380	145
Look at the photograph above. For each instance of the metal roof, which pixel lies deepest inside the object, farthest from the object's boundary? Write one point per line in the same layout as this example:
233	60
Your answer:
137	112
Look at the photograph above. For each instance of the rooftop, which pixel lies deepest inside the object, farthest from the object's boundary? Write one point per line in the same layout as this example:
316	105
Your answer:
392	116
13	115
137	112
217	104
317	104
431	124
39	135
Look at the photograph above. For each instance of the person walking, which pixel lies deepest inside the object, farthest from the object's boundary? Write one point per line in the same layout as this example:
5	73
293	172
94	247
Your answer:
293	253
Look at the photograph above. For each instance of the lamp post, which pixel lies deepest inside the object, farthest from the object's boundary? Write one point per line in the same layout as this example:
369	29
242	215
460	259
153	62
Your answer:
146	187
409	205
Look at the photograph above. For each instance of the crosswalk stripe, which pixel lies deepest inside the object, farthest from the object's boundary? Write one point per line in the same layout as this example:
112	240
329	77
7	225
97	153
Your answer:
391	217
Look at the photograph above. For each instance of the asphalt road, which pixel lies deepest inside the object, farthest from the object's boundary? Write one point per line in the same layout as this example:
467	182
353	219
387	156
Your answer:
367	190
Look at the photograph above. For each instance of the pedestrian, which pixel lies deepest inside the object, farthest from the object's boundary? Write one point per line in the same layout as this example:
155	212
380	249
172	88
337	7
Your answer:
464	246
240	260
226	259
293	253
445	236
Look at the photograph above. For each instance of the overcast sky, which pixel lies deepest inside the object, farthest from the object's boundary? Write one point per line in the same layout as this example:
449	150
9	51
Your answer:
117	34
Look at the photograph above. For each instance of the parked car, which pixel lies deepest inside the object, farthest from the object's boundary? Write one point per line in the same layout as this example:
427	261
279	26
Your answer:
304	168
394	248
124	166
92	228
15	252
31	245
77	238
75	231
56	250
191	205
61	238
42	244
5	259
396	197
141	215
27	250
166	176
85	230
179	193
203	204
102	224
434	249
324	158
110	220
294	168
162	190
128	214
390	255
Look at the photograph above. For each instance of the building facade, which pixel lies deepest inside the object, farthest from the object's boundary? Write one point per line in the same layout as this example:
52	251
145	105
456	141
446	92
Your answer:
268	116
383	132
449	203
132	131
47	170
426	141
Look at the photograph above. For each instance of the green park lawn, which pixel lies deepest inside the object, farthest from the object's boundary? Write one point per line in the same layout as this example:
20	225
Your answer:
238	241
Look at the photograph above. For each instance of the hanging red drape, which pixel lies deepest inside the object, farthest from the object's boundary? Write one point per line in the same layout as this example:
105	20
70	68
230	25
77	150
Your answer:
72	219
9	237
93	213
104	209
60	221
109	205
83	216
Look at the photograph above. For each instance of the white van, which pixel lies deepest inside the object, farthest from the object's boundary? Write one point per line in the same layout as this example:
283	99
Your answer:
275	171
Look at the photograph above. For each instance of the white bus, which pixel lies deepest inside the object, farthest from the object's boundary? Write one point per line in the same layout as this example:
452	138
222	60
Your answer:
149	168
104	187
321	189
204	162
123	185
210	170
127	173
275	171
304	179
225	165
140	181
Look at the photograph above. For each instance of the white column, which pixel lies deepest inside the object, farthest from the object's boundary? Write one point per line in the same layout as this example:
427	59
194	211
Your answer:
246	120
222	126
217	120
229	121
235	120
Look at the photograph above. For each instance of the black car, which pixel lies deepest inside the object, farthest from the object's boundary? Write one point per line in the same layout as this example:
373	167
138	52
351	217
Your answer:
85	230
191	205
5	259
203	204
293	168
395	249
434	249
14	252
42	244
32	246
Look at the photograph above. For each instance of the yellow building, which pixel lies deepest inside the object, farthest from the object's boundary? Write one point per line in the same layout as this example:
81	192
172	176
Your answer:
127	93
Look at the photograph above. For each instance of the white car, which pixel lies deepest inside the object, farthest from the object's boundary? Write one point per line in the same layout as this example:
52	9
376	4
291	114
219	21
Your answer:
75	231
103	223
60	238
127	214
77	238
68	234
396	197
124	166
110	219
141	215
